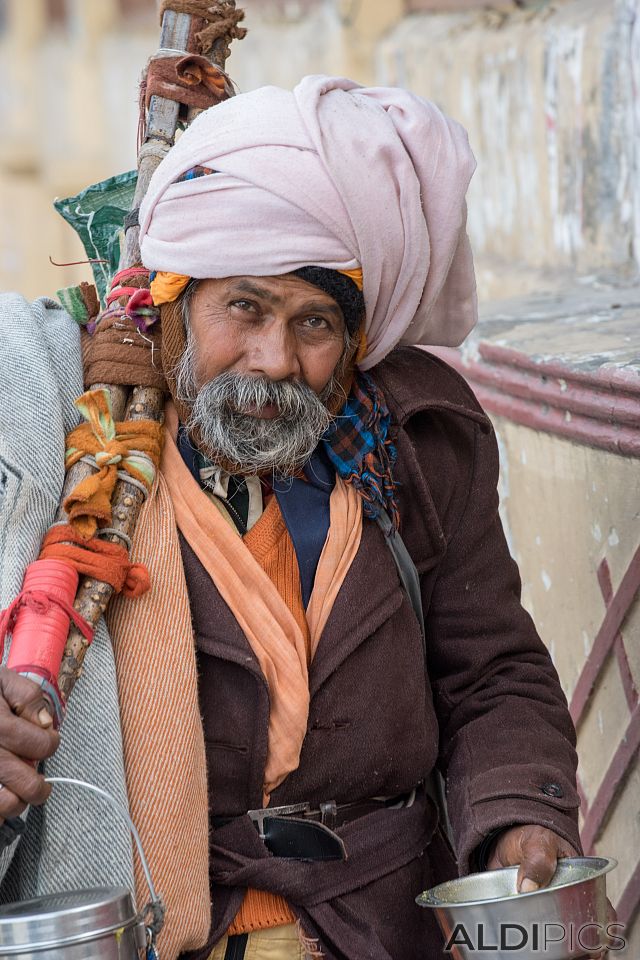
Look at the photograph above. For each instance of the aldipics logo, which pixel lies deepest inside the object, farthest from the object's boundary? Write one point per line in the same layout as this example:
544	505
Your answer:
536	938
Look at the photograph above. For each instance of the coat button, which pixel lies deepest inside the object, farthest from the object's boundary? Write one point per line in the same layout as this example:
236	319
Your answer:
552	790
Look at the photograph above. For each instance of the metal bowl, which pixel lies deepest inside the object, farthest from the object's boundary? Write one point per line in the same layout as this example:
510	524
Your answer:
483	915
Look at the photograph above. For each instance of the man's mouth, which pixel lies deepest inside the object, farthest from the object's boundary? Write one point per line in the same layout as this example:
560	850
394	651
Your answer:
267	412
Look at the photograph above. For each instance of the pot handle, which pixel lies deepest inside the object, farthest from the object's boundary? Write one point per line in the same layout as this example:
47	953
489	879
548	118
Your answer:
155	909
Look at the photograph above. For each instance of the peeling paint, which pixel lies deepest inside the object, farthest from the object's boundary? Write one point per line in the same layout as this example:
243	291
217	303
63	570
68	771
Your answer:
613	539
546	579
563	112
596	532
553	113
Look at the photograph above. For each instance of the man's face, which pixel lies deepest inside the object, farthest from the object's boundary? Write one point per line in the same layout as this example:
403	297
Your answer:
280	328
259	366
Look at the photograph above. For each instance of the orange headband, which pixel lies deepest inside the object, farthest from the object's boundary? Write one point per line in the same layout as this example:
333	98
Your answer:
167	287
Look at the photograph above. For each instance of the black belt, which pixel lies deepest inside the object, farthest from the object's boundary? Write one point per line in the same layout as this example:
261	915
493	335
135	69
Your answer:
298	832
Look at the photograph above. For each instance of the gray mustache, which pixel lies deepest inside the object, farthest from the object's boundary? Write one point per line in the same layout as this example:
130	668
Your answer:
238	393
253	444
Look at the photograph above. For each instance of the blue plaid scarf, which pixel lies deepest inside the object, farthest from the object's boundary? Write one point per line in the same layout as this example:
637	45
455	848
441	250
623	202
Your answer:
359	445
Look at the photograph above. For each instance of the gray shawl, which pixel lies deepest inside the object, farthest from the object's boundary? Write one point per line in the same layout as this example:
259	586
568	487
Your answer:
73	840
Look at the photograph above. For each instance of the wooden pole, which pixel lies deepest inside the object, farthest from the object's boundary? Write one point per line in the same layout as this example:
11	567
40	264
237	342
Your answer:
145	403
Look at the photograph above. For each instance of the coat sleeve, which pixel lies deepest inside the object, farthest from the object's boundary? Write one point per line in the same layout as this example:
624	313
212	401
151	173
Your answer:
507	742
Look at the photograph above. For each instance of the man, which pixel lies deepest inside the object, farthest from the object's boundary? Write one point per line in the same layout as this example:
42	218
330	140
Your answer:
300	244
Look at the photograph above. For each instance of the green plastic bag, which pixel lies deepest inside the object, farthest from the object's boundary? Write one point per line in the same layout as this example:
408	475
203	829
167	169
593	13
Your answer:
97	215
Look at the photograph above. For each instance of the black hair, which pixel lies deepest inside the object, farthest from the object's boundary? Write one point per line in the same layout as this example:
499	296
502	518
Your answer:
341	288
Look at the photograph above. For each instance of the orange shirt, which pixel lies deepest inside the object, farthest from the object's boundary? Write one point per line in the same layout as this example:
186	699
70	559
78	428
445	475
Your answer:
270	543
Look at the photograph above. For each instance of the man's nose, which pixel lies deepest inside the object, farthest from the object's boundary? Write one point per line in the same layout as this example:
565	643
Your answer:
272	351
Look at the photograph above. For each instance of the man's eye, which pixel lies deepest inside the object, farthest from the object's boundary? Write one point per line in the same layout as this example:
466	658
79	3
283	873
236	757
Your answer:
317	323
244	305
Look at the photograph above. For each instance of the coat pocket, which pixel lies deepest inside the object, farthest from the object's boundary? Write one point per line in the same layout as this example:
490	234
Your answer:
540	782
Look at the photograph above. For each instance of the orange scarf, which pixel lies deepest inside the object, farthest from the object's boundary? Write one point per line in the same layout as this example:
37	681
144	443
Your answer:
265	619
157	680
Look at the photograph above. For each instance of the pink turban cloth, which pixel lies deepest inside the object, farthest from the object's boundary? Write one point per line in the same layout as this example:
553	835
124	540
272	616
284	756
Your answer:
330	174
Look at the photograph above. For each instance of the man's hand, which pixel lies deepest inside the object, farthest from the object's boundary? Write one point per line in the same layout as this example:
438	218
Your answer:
537	850
26	736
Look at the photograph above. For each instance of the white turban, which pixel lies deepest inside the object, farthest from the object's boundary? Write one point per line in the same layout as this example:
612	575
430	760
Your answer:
335	175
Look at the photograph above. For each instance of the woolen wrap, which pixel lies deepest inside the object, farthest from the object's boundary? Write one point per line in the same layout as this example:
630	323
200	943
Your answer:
335	175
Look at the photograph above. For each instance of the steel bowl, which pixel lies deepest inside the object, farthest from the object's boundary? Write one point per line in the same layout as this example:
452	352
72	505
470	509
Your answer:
483	915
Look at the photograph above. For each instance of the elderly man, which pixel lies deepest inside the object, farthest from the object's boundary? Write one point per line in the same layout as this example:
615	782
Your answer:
326	523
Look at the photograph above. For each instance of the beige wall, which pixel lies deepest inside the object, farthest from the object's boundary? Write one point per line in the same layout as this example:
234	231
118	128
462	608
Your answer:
69	118
547	95
566	509
549	100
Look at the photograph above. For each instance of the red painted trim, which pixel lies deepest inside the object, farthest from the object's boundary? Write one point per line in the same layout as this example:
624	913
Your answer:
628	683
443	6
613	780
583	430
612	378
604	581
630	899
613	619
600	409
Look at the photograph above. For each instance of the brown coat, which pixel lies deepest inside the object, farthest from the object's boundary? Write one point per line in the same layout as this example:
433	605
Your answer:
490	711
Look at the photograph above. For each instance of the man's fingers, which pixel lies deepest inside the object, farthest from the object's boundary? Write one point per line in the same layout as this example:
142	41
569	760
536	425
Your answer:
26	725
26	736
10	805
25	739
25	698
538	861
20	778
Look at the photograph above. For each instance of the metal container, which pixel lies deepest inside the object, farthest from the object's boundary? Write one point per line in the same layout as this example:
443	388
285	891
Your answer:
483	915
92	924
99	924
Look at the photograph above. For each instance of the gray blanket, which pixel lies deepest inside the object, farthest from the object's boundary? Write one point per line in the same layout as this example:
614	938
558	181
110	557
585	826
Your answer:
74	840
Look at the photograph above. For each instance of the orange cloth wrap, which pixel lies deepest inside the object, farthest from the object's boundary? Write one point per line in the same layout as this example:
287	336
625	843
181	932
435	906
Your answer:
131	445
105	561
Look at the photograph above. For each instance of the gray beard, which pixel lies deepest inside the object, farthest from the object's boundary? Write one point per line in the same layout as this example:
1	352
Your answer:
246	444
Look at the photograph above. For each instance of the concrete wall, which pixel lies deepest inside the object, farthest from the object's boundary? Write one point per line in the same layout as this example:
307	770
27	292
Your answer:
550	101
572	515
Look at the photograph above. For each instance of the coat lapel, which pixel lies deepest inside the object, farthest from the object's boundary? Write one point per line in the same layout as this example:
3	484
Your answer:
370	594
219	634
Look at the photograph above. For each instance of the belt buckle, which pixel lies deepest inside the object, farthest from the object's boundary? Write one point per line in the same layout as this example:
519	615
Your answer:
259	816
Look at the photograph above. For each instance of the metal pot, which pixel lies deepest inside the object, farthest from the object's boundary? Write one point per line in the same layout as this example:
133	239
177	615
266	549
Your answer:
94	924
99	924
483	915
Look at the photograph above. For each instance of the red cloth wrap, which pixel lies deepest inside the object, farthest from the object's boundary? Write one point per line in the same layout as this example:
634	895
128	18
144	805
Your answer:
39	617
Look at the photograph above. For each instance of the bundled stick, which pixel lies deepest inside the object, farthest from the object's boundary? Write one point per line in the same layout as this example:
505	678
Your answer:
184	76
